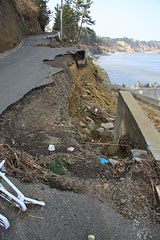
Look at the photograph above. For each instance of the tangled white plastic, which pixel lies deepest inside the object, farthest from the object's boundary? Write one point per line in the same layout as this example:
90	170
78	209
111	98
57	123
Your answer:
20	200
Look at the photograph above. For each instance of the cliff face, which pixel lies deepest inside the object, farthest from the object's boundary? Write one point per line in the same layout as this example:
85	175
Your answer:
18	18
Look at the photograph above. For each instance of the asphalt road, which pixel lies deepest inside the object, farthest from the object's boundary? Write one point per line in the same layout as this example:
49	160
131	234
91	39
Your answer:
67	215
24	70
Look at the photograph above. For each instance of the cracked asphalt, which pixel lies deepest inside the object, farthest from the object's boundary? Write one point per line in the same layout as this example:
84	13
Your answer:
24	69
67	215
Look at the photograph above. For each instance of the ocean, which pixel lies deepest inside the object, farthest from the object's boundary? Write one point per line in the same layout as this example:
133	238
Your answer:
128	69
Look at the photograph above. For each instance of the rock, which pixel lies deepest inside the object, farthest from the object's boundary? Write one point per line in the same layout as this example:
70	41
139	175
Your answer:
138	152
113	150
87	130
136	159
91	125
82	124
101	130
88	119
84	95
87	91
122	201
108	125
111	119
105	186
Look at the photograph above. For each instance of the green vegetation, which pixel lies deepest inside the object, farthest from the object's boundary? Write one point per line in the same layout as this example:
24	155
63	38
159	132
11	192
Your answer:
60	166
76	14
43	13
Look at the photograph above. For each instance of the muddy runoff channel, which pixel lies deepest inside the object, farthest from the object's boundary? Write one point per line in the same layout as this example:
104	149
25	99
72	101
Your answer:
77	111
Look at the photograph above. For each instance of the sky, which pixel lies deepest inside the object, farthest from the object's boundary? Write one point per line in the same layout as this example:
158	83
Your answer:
137	19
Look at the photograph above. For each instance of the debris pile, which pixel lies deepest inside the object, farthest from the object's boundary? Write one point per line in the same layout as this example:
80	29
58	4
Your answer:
20	164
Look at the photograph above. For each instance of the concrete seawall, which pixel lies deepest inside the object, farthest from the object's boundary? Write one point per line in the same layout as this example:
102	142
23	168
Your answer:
146	98
132	121
149	92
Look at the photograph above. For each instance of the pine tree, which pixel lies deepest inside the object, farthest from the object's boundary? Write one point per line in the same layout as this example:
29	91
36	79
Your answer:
43	13
75	13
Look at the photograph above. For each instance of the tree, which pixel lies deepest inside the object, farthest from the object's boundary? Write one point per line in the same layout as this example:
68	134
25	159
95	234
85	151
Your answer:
75	14
43	13
82	8
68	19
88	36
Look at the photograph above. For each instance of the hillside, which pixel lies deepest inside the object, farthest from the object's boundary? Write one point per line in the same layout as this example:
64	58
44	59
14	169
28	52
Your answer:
112	45
18	18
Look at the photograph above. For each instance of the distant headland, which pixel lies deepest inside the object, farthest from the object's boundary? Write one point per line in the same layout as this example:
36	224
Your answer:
127	45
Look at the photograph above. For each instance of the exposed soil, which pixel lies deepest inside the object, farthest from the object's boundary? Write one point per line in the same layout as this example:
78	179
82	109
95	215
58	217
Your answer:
67	113
152	113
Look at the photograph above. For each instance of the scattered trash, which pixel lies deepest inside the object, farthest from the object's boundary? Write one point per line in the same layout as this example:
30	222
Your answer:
20	201
96	109
4	222
70	149
113	162
104	161
91	237
51	148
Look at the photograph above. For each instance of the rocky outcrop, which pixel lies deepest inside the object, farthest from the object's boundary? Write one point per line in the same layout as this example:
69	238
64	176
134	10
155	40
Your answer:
18	18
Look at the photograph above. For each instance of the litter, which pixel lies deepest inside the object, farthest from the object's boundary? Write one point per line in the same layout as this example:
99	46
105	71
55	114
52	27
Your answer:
51	148
4	222
91	237
113	162
104	161
70	149
20	201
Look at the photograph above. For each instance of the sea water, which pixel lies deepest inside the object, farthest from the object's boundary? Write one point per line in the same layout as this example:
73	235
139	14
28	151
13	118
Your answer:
129	69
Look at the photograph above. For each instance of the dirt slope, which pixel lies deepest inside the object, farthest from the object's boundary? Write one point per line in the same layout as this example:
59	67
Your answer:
18	18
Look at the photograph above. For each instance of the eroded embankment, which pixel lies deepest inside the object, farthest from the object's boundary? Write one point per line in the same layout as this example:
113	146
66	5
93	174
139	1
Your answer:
41	118
91	105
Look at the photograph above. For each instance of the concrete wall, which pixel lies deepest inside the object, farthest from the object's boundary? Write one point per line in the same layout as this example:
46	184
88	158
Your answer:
132	121
149	92
145	98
